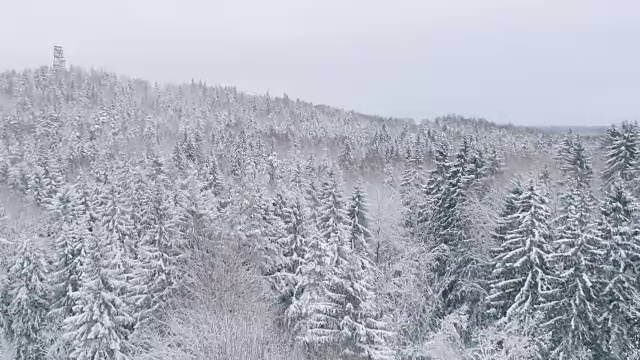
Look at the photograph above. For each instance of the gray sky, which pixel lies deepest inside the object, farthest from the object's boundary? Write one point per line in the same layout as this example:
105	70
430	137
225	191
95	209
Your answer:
565	62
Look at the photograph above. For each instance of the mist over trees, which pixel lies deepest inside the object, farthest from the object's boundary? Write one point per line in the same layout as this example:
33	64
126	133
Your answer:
141	221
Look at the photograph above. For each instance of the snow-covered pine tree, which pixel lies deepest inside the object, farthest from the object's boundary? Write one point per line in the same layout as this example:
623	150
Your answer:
360	236
435	183
520	280
364	333
573	319
332	220
446	218
506	221
137	195
337	311
192	215
38	185
576	164
312	191
346	159
565	148
495	165
213	180
621	159
319	324
458	264
157	276
116	225
618	237
411	185
297	233
26	302
275	246
306	315
71	230
476	173
102	321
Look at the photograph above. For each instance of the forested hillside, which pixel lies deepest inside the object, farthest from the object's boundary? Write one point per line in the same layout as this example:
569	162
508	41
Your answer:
195	222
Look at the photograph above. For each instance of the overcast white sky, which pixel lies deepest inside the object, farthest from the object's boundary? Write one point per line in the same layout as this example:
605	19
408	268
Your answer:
537	62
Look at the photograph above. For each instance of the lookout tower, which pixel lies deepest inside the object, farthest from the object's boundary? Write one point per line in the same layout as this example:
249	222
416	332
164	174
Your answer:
58	58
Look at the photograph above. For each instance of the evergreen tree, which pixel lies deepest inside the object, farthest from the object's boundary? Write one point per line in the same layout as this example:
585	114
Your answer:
213	180
156	277
192	215
520	280
297	233
25	302
411	184
332	220
360	236
102	322
311	190
71	232
617	236
622	152
435	183
446	219
576	164
574	317
276	248
339	309
565	148
116	224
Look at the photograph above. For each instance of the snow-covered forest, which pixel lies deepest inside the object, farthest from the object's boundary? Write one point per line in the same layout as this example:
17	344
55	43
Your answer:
191	221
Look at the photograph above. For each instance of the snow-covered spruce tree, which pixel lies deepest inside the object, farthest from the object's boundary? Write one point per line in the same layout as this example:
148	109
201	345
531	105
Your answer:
446	218
621	159
26	302
39	185
192	215
297	233
332	218
617	235
213	179
435	183
306	314
346	158
115	223
495	163
507	222
157	276
337	311
520	279
102	321
411	185
275	247
576	164
360	236
573	319
565	148
457	261
364	333
71	230
137	190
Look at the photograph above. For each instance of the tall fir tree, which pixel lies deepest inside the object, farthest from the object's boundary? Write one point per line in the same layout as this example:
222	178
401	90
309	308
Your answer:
157	276
573	319
621	158
360	236
520	284
70	234
617	236
102	321
576	164
26	302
